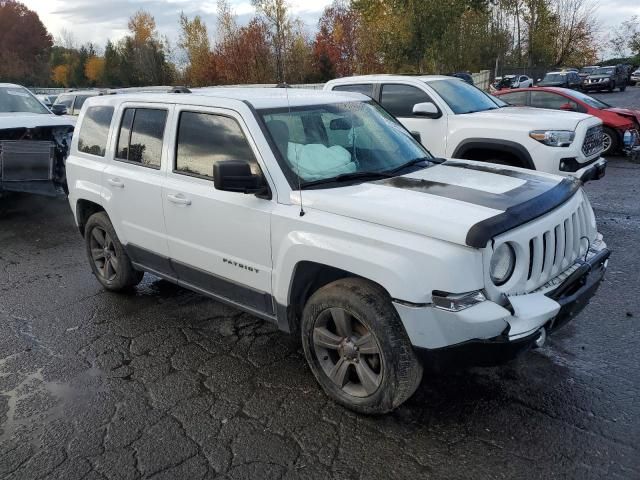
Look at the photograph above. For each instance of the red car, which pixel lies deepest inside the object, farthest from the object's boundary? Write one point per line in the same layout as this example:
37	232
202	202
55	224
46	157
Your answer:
616	121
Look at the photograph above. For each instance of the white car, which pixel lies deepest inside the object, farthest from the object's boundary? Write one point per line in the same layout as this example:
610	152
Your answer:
320	213
635	77
454	119
33	144
519	81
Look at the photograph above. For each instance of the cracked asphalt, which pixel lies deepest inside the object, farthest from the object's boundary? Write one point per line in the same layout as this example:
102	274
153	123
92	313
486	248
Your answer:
163	383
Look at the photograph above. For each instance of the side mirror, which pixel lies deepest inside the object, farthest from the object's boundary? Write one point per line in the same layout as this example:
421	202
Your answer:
236	176
426	109
417	136
59	109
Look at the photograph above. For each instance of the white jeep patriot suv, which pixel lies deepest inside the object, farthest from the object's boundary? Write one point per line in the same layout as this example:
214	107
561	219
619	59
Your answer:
321	213
454	119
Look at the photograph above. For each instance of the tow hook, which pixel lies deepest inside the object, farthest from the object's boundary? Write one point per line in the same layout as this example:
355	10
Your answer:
542	338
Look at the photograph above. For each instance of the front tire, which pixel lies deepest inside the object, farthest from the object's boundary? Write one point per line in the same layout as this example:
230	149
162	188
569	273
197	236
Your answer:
357	348
610	141
108	259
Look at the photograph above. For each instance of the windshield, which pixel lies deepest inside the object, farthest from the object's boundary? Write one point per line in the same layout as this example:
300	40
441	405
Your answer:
592	102
18	99
462	97
554	77
588	70
322	142
603	71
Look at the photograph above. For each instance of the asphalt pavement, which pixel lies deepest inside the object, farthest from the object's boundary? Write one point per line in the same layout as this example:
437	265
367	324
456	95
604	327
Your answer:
165	383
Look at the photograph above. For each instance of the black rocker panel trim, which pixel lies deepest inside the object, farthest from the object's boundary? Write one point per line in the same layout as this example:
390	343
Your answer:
218	288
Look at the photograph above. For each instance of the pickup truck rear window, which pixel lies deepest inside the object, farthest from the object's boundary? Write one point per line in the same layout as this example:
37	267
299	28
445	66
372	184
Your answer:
400	99
141	136
95	130
364	88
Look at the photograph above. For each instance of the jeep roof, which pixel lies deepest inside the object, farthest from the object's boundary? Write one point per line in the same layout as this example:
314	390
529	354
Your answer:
257	97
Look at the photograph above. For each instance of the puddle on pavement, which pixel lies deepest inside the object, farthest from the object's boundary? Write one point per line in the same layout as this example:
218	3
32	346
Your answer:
54	396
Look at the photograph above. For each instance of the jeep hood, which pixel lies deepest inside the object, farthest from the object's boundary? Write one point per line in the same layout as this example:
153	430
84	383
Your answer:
528	118
33	120
462	202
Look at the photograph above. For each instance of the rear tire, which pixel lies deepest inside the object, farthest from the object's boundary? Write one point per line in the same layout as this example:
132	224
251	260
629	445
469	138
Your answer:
357	347
610	141
108	259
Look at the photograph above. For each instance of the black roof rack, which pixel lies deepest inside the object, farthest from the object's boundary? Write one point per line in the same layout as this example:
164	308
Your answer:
179	90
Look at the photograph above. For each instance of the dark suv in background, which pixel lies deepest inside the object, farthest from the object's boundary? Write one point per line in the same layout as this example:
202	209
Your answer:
606	78
70	103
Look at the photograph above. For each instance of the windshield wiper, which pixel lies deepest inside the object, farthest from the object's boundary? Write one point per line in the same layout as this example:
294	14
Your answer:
410	163
345	177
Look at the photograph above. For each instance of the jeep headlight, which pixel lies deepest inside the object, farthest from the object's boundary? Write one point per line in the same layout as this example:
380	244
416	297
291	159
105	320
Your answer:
553	138
503	262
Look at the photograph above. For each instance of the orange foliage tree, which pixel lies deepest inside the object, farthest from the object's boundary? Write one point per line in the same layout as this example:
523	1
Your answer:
60	75
94	69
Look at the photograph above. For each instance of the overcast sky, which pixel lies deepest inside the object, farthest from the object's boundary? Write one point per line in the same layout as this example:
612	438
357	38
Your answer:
95	21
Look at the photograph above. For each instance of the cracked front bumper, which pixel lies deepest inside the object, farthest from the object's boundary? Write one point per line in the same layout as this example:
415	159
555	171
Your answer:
490	333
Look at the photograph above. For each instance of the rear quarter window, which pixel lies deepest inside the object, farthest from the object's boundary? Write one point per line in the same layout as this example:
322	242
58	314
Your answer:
94	131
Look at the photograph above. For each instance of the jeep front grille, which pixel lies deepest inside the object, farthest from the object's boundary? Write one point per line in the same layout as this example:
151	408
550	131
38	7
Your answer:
592	141
547	247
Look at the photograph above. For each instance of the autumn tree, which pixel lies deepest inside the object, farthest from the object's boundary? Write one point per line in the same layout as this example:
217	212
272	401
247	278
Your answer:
60	75
244	56
194	40
142	57
24	45
143	27
94	70
276	13
336	45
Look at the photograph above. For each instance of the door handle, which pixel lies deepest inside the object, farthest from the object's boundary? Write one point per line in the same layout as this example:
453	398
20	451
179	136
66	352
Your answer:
179	199
115	182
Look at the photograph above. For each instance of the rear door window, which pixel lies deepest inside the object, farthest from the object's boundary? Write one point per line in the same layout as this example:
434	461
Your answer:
141	136
364	88
551	100
399	100
95	130
515	98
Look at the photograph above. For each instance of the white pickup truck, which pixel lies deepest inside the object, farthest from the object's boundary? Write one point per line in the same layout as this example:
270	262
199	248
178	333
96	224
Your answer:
456	120
321	213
